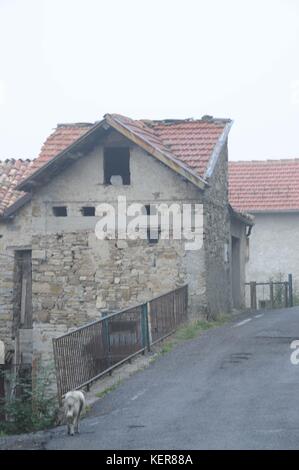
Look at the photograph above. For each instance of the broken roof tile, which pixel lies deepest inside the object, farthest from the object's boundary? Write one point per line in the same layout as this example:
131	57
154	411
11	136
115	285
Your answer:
190	141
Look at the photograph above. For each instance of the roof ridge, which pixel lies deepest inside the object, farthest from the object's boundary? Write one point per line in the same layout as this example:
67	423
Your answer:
74	124
269	160
173	121
14	160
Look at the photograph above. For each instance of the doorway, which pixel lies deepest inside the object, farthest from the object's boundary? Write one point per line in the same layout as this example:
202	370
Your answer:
236	272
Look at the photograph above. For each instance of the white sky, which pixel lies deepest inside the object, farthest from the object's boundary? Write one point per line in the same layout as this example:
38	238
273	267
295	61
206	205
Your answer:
75	60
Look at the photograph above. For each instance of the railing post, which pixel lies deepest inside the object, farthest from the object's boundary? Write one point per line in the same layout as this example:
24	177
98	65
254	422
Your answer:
145	326
271	295
107	341
57	372
175	307
286	300
253	295
290	278
149	326
186	305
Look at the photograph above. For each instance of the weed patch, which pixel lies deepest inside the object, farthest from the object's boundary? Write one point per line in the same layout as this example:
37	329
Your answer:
191	331
108	390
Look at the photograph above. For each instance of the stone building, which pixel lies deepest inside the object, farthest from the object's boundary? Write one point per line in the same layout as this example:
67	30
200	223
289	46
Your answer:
56	274
269	190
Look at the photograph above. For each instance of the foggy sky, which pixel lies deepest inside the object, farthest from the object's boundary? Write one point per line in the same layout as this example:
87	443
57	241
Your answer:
74	61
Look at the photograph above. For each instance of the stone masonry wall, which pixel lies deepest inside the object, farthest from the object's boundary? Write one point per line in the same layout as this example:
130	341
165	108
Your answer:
14	234
78	278
217	240
6	299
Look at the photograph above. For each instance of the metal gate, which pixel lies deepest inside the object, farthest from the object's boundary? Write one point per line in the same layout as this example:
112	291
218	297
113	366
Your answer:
271	294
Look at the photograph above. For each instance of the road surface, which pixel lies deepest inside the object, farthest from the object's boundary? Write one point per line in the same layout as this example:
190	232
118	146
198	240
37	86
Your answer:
233	387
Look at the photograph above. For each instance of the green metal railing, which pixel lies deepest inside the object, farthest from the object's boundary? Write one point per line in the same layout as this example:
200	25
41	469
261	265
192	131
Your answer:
93	350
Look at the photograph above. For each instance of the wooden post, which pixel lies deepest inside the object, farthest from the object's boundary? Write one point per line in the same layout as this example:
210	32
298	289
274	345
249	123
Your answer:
286	288
271	295
253	295
290	277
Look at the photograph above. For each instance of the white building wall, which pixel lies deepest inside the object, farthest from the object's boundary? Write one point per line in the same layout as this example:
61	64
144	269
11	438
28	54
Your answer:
274	248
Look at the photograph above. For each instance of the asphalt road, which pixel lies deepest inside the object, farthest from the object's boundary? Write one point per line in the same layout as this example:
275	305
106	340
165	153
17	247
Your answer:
233	387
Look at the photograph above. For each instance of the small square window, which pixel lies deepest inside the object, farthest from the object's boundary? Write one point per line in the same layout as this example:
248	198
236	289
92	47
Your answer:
60	211
88	211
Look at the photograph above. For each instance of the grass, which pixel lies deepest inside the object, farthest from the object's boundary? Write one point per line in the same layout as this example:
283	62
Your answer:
191	331
86	410
108	390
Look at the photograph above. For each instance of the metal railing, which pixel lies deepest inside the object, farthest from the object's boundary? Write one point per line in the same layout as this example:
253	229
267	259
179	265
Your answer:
87	353
166	312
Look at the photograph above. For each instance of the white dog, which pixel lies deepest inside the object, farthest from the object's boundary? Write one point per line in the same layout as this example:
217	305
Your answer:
74	404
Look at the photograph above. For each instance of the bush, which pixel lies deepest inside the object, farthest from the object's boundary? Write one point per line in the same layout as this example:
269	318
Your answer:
32	404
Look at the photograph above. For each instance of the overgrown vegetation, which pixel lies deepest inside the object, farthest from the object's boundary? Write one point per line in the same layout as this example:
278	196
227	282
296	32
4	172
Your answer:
108	389
31	403
278	290
192	330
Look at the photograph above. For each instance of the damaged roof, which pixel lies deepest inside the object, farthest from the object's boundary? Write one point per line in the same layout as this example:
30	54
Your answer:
190	147
264	186
188	140
12	172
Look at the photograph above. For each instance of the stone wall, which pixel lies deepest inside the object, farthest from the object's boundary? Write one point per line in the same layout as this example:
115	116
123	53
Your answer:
14	234
6	300
78	278
217	240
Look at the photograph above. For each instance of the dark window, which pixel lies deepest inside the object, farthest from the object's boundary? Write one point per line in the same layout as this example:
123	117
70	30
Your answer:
117	163
88	211
60	211
154	237
22	290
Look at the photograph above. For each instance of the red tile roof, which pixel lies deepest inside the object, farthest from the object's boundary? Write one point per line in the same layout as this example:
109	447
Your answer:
63	136
11	173
192	142
270	185
189	141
